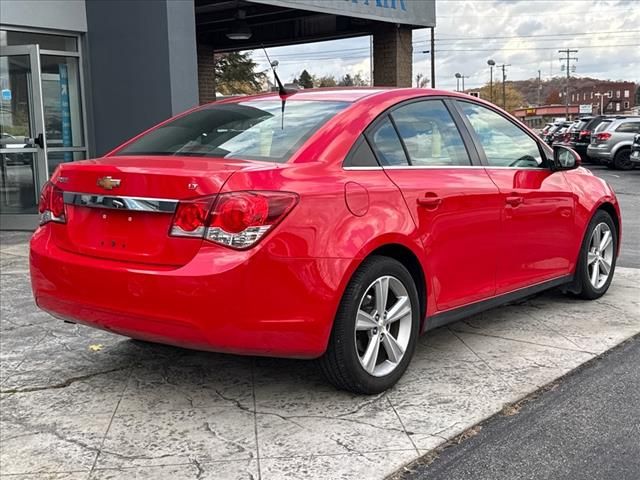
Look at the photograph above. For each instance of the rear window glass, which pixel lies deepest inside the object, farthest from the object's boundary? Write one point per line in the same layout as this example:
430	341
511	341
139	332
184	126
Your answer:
602	126
252	130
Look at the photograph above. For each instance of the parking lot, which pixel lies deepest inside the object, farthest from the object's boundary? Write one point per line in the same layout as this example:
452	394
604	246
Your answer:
78	403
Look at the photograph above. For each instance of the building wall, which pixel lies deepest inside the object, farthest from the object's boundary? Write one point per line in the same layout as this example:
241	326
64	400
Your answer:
142	65
50	14
622	96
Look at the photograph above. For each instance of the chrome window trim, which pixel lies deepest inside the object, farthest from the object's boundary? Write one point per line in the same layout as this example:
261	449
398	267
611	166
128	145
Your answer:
113	202
443	167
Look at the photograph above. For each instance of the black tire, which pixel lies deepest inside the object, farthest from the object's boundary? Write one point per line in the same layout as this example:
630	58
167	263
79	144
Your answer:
340	363
584	288
622	160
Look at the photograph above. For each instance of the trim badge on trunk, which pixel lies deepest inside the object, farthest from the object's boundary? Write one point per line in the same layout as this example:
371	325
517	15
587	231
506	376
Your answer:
108	183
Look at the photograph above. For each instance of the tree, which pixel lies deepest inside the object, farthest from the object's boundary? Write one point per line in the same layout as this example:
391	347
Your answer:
235	73
346	81
421	81
553	98
325	81
514	99
360	81
305	80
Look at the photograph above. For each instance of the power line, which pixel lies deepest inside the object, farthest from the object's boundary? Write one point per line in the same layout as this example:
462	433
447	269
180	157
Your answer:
327	55
618	32
608	11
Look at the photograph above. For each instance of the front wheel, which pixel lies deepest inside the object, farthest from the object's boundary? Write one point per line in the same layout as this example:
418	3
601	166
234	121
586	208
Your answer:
375	330
597	260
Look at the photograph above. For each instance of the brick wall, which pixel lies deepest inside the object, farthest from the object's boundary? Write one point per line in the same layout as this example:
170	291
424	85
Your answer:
206	74
618	102
392	56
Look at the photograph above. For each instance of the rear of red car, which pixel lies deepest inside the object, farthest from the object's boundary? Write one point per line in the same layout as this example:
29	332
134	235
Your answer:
154	245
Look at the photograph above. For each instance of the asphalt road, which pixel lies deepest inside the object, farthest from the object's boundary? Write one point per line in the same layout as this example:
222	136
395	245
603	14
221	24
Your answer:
588	427
627	188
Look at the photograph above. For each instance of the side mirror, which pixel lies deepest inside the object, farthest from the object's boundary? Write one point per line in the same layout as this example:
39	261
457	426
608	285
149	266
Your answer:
565	158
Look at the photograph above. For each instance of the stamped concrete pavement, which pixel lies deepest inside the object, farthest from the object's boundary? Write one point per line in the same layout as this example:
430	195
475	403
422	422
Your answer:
78	403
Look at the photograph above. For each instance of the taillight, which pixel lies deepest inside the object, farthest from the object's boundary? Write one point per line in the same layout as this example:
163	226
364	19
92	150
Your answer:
603	136
585	133
190	219
51	205
237	219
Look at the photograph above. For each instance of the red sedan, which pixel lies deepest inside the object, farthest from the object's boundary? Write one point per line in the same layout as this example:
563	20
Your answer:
330	224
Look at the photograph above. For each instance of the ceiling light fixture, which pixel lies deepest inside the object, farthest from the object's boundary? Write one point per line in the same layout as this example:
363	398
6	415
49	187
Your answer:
240	29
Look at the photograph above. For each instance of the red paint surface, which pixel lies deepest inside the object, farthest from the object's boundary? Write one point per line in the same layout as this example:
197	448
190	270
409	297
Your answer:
280	297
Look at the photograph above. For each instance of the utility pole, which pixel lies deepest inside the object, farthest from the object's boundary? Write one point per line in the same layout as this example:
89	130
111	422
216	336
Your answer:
491	64
539	86
433	57
568	59
504	81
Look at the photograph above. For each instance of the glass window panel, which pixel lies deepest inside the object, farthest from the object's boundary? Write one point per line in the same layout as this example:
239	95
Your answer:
253	130
430	135
46	41
504	144
15	73
17	183
62	101
387	144
56	158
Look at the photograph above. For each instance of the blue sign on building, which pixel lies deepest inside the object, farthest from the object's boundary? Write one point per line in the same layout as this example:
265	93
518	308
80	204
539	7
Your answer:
65	110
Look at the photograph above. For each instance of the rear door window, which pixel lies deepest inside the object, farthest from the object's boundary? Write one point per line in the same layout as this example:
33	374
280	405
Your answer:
386	144
629	127
430	135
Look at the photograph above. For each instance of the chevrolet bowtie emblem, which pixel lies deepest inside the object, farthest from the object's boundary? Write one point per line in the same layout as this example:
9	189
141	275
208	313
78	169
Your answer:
108	183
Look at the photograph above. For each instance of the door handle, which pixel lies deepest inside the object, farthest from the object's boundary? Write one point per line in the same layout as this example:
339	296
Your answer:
430	200
514	200
39	140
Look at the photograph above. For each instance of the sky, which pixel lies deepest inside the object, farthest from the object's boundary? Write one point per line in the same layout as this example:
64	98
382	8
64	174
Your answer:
526	34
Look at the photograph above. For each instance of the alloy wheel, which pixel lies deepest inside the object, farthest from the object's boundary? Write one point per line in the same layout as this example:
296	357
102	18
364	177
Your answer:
383	326
600	255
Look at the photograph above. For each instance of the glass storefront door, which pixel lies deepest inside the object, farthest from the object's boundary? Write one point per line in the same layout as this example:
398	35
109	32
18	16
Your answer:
41	118
22	136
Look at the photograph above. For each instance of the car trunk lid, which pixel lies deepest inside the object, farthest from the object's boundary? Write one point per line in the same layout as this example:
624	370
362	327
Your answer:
121	208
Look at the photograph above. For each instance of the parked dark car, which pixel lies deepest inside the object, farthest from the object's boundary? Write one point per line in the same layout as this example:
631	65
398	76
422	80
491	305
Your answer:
544	130
558	134
579	136
635	151
548	136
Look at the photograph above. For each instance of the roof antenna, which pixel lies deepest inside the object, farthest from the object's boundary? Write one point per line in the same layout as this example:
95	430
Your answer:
282	91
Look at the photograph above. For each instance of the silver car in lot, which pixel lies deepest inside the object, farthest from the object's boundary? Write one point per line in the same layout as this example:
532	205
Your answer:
611	142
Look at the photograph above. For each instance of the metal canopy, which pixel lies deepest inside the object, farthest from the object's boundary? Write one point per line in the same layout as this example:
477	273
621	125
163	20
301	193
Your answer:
285	22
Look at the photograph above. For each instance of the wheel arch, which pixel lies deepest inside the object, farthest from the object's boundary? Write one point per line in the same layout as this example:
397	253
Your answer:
622	145
613	212
411	262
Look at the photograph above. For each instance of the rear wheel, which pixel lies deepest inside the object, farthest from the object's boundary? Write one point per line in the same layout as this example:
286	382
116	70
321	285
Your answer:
375	330
597	260
622	160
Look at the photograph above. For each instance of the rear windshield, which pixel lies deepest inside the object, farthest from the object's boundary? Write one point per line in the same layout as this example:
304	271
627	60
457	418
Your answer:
602	126
252	130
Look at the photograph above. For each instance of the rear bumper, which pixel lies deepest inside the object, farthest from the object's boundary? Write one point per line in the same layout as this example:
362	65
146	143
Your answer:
599	153
249	302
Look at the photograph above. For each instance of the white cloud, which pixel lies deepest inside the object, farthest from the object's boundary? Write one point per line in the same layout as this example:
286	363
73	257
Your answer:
467	34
